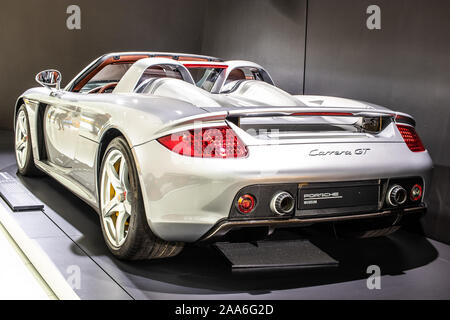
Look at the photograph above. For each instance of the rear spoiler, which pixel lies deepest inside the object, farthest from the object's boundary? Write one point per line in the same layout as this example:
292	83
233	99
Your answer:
235	113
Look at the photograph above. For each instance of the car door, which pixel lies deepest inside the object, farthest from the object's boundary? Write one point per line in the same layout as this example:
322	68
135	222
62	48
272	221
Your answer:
61	127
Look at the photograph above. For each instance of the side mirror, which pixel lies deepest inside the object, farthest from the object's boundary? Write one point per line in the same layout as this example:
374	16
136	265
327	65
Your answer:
49	78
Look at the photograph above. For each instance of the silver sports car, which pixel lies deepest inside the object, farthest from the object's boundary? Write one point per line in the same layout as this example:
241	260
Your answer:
176	148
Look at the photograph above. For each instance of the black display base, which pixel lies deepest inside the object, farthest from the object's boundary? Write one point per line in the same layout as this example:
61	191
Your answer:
269	255
16	195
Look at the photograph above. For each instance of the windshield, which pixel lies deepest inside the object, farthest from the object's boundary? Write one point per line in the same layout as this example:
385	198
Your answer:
205	77
109	74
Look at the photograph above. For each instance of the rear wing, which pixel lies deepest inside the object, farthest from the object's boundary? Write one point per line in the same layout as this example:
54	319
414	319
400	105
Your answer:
234	114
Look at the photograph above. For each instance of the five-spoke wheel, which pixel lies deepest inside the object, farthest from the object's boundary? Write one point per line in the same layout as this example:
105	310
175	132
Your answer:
21	138
23	146
116	197
122	213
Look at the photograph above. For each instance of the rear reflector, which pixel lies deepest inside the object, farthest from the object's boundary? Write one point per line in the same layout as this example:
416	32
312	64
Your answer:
411	138
416	192
246	203
213	142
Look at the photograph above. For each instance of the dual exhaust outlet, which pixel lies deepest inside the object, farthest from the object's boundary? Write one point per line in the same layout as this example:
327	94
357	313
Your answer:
282	203
396	195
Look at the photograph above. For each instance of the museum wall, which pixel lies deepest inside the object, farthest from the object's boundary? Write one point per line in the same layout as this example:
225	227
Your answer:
34	36
268	32
405	65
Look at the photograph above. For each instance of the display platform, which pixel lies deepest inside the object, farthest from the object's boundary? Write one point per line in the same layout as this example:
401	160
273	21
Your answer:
16	195
68	231
273	255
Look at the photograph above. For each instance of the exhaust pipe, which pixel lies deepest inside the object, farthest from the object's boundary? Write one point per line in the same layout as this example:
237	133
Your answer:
396	195
282	203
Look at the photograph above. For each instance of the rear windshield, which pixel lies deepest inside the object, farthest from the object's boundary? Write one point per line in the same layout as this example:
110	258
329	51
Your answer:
238	75
157	72
205	77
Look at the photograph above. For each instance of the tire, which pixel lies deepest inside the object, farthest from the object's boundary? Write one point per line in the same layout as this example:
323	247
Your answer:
126	230
23	145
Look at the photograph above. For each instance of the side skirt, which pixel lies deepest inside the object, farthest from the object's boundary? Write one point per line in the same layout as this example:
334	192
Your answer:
62	176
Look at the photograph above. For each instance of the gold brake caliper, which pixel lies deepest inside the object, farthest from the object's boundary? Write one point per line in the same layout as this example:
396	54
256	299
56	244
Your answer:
113	193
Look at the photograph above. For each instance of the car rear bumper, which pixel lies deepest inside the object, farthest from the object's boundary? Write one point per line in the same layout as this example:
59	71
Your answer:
226	225
187	198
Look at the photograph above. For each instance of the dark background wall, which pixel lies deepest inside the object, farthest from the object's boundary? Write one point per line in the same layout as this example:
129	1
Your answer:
34	36
405	65
268	32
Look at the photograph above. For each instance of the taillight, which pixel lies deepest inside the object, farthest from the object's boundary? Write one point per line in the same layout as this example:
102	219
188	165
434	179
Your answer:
411	138
215	142
246	203
416	192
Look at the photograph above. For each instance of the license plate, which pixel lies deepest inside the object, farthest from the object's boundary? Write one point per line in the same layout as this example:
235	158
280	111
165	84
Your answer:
327	197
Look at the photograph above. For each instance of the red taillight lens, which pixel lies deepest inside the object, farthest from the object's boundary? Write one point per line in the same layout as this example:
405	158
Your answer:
217	142
416	192
246	203
411	138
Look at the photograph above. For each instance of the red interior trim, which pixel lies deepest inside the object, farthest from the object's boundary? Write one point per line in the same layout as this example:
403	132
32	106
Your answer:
183	58
111	60
217	66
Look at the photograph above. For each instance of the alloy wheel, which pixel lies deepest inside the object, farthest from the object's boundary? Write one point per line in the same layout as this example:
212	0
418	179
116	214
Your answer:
115	197
21	141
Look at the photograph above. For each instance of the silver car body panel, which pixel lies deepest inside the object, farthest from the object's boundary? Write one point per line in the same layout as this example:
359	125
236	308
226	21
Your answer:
185	197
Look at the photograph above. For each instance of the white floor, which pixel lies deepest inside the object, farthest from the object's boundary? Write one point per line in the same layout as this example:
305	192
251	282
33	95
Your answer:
18	278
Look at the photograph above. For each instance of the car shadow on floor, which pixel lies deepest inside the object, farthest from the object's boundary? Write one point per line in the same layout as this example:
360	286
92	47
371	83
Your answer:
204	267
